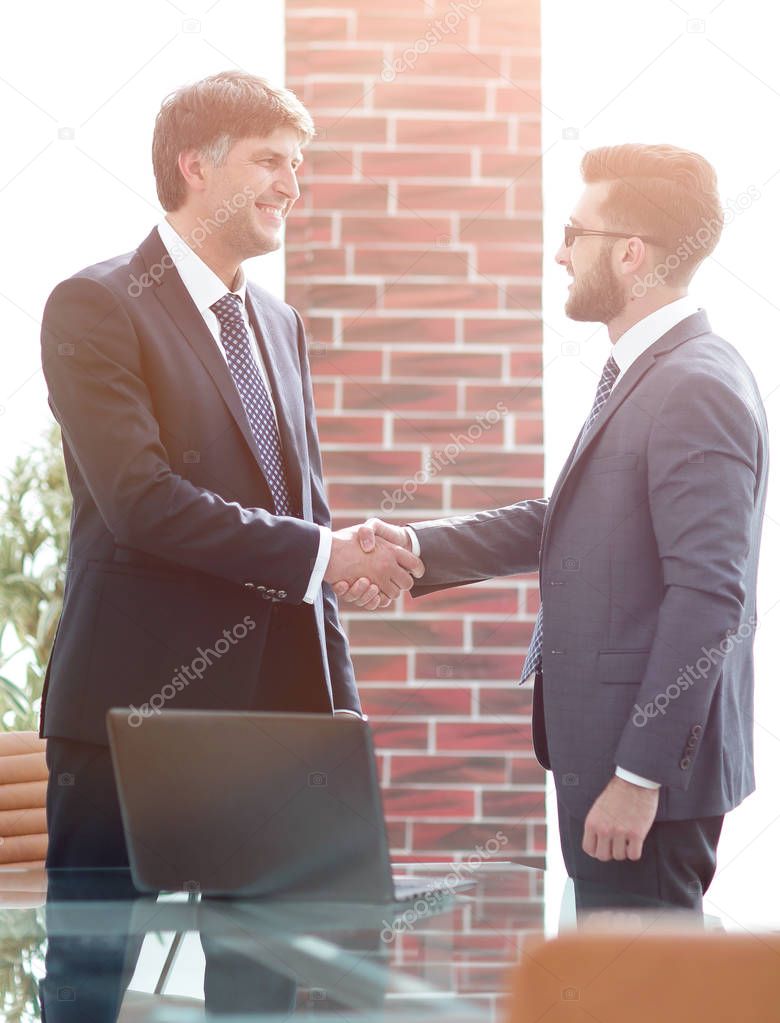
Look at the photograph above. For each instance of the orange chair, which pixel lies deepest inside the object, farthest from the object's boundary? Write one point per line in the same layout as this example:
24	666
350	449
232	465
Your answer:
23	779
683	977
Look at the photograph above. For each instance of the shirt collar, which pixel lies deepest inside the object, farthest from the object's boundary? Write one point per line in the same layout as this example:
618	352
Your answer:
637	339
204	286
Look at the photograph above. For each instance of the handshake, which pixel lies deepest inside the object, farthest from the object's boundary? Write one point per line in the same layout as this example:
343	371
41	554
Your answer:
371	564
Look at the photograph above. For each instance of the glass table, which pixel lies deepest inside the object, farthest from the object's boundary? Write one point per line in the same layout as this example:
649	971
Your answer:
86	946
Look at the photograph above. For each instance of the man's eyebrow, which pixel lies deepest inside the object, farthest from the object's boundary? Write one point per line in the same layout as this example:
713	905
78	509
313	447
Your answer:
265	152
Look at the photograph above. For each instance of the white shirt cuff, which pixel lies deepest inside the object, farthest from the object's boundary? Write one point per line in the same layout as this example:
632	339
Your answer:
636	779
345	710
413	540
320	565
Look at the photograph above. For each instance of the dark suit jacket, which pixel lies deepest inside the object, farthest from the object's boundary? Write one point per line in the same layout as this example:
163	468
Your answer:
647	553
174	554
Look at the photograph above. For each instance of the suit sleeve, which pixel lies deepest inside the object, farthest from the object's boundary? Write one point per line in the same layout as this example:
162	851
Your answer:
485	545
703	458
93	367
342	674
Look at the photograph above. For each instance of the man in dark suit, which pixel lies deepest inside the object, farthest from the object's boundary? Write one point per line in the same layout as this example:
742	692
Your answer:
647	548
201	553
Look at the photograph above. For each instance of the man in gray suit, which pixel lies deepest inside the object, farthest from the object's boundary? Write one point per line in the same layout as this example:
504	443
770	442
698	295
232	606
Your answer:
647	548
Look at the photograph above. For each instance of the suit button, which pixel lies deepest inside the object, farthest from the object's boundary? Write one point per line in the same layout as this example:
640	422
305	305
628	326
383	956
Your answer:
696	730
282	593
685	763
250	586
692	742
557	651
272	592
259	587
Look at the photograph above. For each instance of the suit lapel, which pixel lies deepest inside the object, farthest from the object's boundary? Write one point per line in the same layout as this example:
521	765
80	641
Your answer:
170	291
690	327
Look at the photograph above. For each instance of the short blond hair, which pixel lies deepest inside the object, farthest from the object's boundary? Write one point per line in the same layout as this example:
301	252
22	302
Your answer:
210	116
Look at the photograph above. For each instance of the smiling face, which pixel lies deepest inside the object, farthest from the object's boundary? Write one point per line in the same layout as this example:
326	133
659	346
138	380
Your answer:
597	293
257	186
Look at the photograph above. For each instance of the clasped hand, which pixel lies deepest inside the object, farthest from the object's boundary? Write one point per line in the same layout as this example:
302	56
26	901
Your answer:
370	565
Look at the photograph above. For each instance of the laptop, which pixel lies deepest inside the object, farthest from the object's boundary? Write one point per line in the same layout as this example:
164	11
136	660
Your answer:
245	804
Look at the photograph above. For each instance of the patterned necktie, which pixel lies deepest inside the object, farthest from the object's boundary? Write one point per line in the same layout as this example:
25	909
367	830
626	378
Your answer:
533	659
254	396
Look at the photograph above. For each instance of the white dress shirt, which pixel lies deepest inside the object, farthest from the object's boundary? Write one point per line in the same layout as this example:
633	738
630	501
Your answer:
205	288
625	351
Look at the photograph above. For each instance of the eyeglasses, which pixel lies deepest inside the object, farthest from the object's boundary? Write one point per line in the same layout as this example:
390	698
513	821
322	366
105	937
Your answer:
570	233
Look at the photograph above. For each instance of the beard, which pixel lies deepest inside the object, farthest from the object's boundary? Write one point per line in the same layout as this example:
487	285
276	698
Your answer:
597	296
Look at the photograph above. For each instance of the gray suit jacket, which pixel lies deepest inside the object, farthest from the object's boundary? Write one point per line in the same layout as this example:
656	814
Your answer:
647	551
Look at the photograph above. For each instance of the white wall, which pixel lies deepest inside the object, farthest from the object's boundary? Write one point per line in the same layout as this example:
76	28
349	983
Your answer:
101	70
705	77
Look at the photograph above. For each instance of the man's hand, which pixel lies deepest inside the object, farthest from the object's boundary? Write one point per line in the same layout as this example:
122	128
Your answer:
619	820
381	567
363	591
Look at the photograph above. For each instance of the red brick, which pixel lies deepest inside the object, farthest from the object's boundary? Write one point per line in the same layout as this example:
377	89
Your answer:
370	496
362	463
307	228
529	430
342	296
465	600
526	364
386	28
395	230
316	260
440	432
422	364
450	63
338	429
399	329
412	632
515	805
497	230
411	262
532	599
327	361
501	163
350	94
467	498
468	835
501	634
309	60
352	127
505	701
525	67
417	701
516	397
509	262
351	195
396	834
315	28
324	394
440	296
525	771
417	165
380	667
482	735
402	802
324	160
518	100
394	397
522	296
457	131
398	95
451	665
393	734
492	198
508	329
319	329
504	464
442	770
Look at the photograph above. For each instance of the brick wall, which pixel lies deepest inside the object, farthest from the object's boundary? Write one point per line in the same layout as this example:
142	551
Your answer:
414	257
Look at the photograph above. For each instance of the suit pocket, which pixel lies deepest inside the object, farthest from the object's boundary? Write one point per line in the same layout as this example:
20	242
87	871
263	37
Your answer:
613	463
622	667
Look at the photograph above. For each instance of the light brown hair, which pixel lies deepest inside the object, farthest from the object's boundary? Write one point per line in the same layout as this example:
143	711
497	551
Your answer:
661	191
210	116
